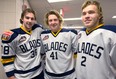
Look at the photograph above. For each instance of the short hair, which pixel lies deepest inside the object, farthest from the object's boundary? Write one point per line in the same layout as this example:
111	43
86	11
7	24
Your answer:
28	10
54	12
97	4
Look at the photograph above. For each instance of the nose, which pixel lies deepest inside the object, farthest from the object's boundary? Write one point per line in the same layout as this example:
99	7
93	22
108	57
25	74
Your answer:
52	22
30	20
87	15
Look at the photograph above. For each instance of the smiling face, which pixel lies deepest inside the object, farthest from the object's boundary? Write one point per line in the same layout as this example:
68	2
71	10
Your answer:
53	20
54	23
90	16
28	21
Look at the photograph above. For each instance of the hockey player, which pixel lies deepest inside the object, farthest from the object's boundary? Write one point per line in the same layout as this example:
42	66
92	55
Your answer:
21	48
96	45
60	46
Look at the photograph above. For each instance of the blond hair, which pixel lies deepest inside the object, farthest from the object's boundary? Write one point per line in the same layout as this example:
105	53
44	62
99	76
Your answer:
54	12
97	4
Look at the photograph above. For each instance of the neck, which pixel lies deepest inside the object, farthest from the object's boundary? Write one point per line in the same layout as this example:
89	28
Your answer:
27	29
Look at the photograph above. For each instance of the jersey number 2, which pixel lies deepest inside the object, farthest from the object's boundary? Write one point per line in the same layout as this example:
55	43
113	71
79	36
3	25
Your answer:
83	61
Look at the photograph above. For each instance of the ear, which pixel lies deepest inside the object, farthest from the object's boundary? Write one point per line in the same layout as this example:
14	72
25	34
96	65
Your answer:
100	15
21	19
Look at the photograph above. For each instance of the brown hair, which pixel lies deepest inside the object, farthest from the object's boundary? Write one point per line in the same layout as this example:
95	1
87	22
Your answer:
97	4
28	10
54	12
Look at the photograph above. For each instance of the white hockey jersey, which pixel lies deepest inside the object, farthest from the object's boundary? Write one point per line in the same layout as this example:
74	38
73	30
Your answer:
96	53
59	51
21	53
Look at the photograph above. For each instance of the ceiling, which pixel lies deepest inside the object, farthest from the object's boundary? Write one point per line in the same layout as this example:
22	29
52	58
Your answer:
72	9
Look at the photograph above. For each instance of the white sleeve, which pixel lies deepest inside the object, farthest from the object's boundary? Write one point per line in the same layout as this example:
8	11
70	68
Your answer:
74	43
8	55
113	55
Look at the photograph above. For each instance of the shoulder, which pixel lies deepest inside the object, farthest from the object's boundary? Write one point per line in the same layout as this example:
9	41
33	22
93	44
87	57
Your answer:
69	30
83	29
109	27
10	35
37	26
46	31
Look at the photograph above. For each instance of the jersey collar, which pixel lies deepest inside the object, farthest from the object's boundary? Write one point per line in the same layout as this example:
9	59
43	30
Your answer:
55	34
28	32
89	31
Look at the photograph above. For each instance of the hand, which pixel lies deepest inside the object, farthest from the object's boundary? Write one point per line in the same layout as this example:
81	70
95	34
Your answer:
12	77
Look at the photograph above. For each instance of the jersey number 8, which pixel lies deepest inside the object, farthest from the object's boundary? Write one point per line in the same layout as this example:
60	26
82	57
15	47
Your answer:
6	50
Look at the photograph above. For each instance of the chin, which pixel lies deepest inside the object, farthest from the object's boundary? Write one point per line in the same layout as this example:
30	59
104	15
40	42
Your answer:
87	24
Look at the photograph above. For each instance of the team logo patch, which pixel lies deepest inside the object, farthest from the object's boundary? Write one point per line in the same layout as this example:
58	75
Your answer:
23	38
6	35
46	37
79	36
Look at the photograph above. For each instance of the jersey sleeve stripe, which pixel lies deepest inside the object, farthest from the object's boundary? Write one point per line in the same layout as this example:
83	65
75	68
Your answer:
9	74
75	55
7	61
8	57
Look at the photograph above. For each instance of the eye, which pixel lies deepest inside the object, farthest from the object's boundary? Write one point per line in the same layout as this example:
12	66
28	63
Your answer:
55	19
50	20
27	17
84	13
91	12
32	19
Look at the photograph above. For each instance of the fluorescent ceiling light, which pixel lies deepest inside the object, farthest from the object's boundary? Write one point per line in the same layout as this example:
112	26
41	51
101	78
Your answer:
69	19
52	1
114	17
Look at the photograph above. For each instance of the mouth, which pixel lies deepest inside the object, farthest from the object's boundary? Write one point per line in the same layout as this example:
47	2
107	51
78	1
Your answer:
29	24
87	21
54	25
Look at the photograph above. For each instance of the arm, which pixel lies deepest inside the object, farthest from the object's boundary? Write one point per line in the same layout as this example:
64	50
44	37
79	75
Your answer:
8	54
74	46
74	43
113	56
